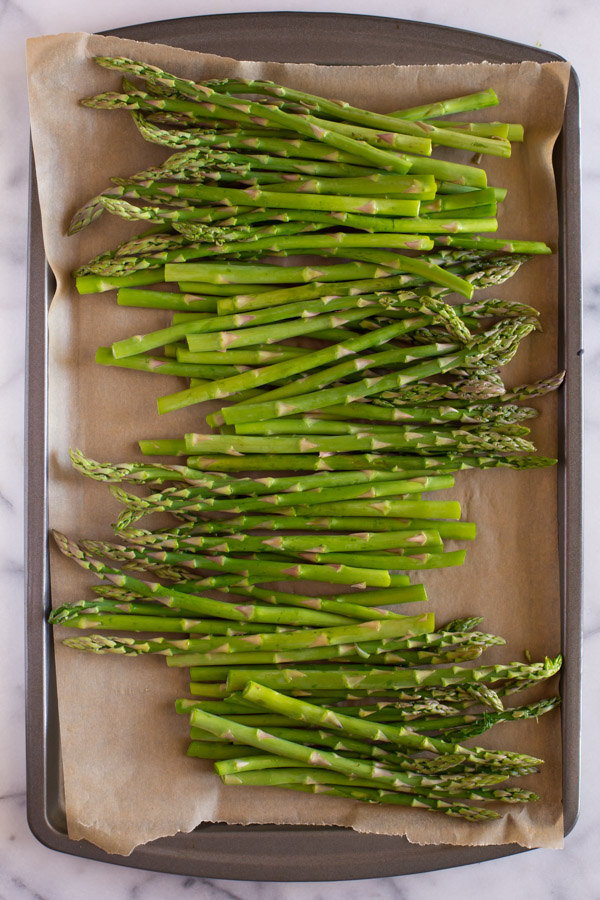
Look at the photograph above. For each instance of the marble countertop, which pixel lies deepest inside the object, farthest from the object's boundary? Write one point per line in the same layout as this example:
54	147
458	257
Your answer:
29	870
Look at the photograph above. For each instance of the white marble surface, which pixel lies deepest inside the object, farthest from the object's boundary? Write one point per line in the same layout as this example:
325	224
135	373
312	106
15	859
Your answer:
27	869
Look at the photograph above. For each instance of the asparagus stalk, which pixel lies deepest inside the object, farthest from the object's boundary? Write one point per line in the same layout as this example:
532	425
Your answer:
357	606
287	680
161	365
466	103
274	770
351	653
417	441
367	795
347	461
165	300
376	266
134	472
439	415
62	614
264	771
252	356
398	560
364	541
258	197
403	593
308	639
507	245
213	669
192	499
135	622
469	726
352	521
72	614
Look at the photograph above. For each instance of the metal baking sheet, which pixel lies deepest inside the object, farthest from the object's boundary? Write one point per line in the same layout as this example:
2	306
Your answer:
302	853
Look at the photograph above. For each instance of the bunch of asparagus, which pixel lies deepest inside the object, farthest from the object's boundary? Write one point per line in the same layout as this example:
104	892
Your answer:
411	539
374	707
384	705
368	184
327	371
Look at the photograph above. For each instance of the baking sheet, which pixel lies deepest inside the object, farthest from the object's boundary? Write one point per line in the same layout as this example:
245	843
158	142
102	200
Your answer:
109	437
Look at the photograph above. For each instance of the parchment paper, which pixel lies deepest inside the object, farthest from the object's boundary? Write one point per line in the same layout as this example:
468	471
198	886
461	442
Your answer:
127	779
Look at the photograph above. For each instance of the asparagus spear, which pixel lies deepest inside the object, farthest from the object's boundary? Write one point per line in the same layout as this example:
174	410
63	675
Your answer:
466	103
364	541
458	810
348	461
416	441
132	610
375	267
350	653
307	639
191	499
314	680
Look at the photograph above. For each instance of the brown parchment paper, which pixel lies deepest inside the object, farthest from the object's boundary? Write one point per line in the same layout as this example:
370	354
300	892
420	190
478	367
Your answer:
127	779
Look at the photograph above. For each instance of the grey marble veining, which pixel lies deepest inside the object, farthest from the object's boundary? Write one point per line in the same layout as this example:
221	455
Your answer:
27	869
